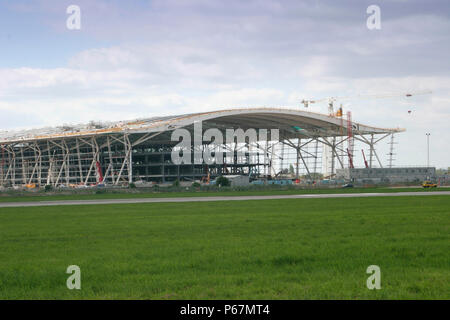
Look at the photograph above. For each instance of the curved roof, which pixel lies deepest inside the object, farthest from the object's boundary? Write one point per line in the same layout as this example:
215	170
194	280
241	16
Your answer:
291	122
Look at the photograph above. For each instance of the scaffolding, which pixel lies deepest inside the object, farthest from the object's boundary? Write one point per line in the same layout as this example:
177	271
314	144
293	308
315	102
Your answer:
391	153
300	159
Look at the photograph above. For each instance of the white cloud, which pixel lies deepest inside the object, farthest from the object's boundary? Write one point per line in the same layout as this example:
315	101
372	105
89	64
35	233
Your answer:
175	57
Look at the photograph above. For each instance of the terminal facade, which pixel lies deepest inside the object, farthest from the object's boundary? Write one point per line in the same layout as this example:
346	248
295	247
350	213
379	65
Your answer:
118	153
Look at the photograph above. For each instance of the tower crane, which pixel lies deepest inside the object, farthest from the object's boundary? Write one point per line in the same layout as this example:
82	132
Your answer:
332	100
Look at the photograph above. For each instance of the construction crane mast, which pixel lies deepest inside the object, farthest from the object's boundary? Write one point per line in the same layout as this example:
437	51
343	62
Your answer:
332	100
365	161
350	140
340	114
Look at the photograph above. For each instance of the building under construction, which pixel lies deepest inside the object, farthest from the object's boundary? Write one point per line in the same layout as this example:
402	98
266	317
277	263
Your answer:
118	153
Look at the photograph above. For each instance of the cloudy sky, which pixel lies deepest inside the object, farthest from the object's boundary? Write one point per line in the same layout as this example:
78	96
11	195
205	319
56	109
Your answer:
145	58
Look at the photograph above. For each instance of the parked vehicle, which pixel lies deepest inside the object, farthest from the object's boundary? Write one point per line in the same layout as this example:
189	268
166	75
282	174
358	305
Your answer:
429	184
347	185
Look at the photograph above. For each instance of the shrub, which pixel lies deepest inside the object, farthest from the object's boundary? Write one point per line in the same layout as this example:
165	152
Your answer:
131	185
48	187
196	185
176	183
223	182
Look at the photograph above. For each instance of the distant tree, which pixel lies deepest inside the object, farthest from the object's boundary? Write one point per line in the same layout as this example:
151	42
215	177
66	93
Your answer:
223	182
313	176
291	169
316	175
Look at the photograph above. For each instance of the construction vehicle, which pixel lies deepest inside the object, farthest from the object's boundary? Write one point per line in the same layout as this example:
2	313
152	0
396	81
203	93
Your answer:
206	179
429	184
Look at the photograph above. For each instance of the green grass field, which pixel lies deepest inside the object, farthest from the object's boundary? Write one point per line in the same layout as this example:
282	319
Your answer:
271	249
92	194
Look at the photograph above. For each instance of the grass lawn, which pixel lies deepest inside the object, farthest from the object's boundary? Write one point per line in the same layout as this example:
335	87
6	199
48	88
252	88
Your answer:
270	249
137	193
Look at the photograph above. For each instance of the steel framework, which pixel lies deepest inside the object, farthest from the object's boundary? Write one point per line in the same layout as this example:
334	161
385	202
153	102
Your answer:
140	150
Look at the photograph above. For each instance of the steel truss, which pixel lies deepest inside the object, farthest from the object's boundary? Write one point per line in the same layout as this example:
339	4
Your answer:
309	153
122	158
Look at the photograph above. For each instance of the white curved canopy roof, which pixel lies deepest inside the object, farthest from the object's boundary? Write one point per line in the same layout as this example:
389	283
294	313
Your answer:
290	122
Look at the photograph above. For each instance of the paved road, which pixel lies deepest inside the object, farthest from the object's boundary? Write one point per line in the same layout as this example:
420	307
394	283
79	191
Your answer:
223	198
